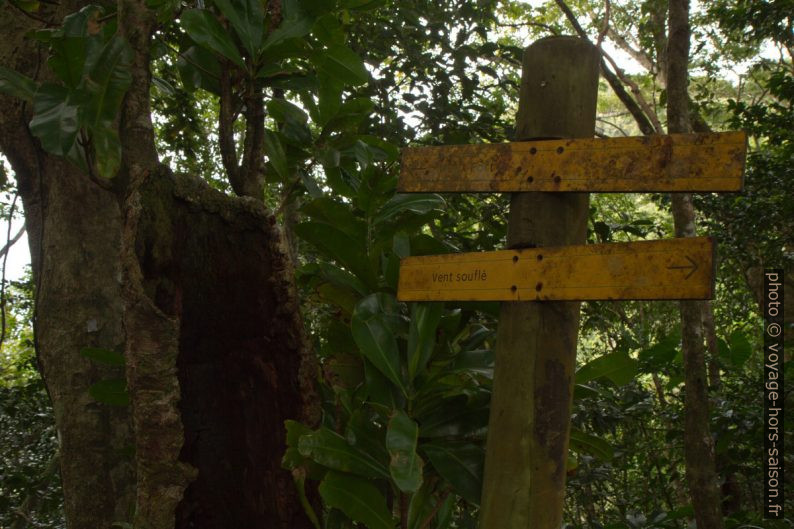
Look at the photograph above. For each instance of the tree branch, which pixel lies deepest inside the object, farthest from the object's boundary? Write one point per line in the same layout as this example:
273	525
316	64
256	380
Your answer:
645	125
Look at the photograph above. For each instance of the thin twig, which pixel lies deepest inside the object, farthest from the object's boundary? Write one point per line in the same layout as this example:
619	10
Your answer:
3	279
12	242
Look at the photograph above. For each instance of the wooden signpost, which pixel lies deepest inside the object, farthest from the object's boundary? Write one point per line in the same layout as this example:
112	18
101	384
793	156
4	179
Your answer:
667	269
678	162
550	265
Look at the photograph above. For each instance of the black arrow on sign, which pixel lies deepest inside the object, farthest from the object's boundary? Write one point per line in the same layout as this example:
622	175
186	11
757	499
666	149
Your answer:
693	266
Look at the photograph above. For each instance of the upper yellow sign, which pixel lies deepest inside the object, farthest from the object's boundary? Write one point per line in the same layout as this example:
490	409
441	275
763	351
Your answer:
678	162
665	269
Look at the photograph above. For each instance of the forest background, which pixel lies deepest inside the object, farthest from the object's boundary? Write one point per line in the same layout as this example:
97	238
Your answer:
395	380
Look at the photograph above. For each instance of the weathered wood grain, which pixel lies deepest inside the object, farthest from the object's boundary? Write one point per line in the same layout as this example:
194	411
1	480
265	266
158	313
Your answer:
678	162
663	269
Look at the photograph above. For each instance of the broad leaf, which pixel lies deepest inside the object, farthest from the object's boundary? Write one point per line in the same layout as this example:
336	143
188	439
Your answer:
337	245
108	81
247	18
290	28
585	443
56	119
332	450
617	366
737	351
422	335
343	64
661	354
405	464
375	339
16	85
358	499
461	465
400	203
276	155
205	30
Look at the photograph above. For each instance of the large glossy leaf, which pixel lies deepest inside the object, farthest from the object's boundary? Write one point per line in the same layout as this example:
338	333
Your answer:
616	366
343	64
205	30
338	214
290	28
108	81
405	464
199	68
422	335
358	499
461	465
56	119
375	339
400	203
274	148
346	251
585	443
660	354
332	450
107	149
70	45
16	85
454	418
247	18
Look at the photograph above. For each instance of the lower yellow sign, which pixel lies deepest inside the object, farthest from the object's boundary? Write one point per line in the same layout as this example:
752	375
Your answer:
665	269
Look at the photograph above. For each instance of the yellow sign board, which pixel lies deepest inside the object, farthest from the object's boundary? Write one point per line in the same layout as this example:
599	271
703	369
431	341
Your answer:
678	162
664	269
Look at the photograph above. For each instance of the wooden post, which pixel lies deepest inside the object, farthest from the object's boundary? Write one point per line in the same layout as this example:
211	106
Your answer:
524	481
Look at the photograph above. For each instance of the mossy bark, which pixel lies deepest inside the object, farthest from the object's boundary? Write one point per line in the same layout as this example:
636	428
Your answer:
196	289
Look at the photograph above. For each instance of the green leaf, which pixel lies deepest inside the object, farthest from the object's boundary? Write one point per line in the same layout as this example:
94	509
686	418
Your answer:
292	456
284	111
199	68
247	18
453	418
337	245
16	85
103	356
205	30
290	28
56	119
415	203
375	339
405	465
108	151
332	450
584	443
661	354
71	46
343	64
617	366
738	351
422	335
276	155
108	81
461	465
358	499
112	392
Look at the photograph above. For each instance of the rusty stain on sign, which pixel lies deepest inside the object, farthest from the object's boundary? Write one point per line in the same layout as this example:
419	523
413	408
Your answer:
678	162
663	269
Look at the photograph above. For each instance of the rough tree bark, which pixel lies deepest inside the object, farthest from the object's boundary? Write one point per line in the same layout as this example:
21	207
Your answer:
698	443
195	288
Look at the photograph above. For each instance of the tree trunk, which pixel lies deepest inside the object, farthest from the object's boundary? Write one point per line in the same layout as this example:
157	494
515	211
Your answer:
698	443
196	289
